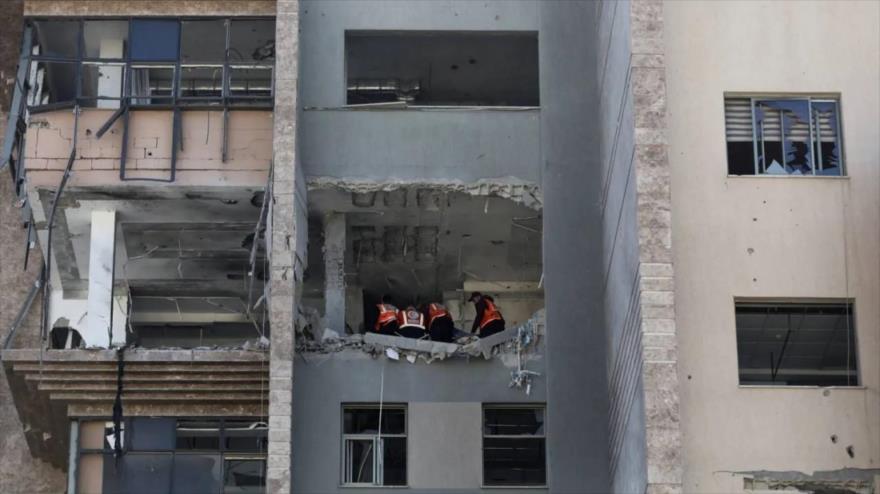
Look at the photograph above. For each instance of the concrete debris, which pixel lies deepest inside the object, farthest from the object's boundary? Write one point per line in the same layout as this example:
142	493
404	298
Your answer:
520	191
329	335
392	353
843	481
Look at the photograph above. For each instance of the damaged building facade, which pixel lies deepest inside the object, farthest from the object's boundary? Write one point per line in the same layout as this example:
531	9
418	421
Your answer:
674	205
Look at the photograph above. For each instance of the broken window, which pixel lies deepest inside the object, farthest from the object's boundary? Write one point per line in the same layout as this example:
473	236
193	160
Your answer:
796	344
167	455
374	454
439	68
783	136
103	63
514	451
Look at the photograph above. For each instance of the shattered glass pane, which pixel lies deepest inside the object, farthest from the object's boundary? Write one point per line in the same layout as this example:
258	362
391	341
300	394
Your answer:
783	128
827	142
252	41
245	475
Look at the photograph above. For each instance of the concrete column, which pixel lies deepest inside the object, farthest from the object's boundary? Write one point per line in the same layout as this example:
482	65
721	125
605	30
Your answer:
656	271
285	263
334	272
102	261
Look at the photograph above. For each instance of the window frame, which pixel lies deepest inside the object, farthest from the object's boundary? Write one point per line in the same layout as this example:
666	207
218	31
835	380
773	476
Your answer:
847	303
483	436
377	440
77	450
224	101
810	99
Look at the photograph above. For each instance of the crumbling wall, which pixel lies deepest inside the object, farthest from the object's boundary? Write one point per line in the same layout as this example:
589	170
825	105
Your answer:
199	162
19	471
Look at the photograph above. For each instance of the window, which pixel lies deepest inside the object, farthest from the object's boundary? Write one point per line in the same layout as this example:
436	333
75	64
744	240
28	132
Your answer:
442	68
783	136
514	446
170	455
374	455
147	62
796	344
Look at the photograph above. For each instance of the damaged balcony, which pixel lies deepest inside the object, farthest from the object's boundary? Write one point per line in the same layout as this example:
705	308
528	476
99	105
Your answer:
419	244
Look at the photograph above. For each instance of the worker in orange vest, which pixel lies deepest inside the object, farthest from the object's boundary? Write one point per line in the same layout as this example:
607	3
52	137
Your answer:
387	322
411	323
440	325
489	319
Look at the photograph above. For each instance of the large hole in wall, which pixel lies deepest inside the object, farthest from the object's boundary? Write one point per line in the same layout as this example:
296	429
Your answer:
419	245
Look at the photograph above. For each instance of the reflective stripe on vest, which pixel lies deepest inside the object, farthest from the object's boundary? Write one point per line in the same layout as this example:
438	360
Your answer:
387	313
490	314
435	311
411	317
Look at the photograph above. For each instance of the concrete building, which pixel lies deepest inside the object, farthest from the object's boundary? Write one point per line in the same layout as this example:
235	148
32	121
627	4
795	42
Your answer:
673	204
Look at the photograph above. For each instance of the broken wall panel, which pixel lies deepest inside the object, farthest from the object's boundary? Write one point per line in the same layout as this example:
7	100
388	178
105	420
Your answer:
50	136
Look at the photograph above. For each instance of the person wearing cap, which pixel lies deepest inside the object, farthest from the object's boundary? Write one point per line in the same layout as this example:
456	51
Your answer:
387	321
489	319
411	323
440	325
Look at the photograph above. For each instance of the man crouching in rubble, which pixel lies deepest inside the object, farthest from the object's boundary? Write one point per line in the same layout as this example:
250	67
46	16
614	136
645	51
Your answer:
488	320
386	322
440	324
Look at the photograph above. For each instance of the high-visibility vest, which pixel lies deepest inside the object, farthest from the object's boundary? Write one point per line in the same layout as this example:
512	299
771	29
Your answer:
387	313
435	311
490	314
411	317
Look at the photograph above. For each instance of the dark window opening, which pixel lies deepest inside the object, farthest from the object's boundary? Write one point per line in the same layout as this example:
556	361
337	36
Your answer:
149	335
205	81
783	136
372	456
251	41
105	39
442	68
56	38
514	445
796	344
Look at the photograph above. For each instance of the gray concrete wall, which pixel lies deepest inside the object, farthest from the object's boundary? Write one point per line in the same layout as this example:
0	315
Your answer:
577	420
620	250
453	144
20	472
444	416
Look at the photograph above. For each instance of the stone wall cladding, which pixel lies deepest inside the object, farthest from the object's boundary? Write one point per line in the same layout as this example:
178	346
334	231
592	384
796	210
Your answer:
285	269
20	472
656	272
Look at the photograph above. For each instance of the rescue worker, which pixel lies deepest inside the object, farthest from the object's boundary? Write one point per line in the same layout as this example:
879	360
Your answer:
411	323
440	325
386	322
488	320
